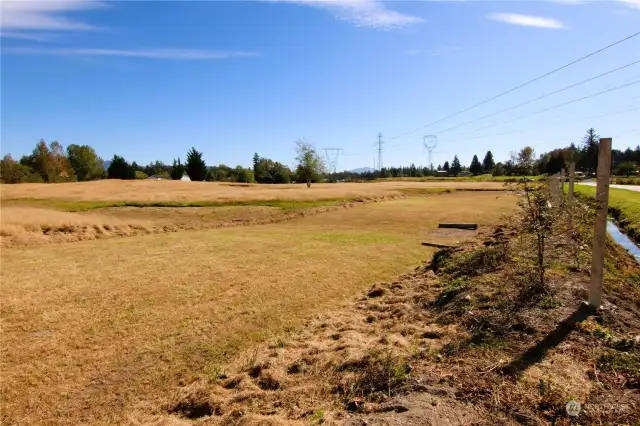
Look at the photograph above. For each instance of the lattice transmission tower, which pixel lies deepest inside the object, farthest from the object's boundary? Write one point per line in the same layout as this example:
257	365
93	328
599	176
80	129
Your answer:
430	142
332	155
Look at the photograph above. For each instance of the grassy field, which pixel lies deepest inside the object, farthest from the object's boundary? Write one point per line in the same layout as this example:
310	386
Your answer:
479	178
624	206
107	193
96	329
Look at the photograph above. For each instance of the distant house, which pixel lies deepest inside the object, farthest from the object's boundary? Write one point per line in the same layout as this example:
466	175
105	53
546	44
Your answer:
442	173
155	177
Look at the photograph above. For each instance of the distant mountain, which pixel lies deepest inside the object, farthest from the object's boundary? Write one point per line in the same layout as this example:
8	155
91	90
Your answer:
106	164
362	170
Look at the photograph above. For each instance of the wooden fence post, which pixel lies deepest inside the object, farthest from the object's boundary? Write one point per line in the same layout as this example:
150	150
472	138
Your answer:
572	176
600	235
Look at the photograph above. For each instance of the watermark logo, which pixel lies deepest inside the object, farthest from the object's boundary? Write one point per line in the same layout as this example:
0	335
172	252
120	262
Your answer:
573	408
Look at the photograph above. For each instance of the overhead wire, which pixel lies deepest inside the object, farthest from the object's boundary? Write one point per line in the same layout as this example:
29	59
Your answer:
520	86
622	111
554	107
538	98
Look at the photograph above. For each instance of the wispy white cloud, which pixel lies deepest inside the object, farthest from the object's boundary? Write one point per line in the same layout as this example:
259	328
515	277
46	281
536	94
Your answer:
635	4
526	20
49	15
362	13
32	36
437	51
177	54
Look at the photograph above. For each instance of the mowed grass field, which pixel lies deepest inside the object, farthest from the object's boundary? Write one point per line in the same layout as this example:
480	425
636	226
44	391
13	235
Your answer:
106	192
94	330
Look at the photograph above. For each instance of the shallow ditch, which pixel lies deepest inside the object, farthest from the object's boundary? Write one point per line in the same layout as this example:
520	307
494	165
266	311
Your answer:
623	240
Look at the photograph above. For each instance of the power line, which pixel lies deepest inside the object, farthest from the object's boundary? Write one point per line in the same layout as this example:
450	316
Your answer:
622	111
538	127
539	97
520	86
554	107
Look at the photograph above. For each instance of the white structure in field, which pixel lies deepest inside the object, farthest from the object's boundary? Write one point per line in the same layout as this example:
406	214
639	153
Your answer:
186	177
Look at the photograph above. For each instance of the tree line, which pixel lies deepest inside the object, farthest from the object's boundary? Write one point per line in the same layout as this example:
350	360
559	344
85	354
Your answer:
520	163
52	163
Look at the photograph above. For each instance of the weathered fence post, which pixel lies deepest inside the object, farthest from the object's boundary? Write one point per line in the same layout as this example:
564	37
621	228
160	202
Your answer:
572	176
600	235
554	187
562	183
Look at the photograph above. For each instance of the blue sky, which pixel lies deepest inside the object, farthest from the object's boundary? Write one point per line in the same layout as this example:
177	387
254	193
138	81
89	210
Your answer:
148	80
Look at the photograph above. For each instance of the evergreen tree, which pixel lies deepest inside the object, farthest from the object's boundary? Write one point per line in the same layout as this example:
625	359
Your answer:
476	168
177	171
120	169
456	168
195	166
488	164
256	160
445	166
589	151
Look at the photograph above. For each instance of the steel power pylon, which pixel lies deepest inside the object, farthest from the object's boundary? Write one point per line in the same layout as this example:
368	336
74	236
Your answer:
380	143
332	155
430	142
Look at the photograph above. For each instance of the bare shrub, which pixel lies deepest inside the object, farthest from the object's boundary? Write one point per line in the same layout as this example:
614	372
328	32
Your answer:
378	372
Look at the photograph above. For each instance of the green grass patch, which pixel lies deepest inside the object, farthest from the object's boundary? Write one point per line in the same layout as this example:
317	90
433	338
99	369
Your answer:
479	178
82	206
624	206
437	191
621	362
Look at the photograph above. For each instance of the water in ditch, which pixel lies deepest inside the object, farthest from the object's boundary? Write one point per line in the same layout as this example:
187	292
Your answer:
623	240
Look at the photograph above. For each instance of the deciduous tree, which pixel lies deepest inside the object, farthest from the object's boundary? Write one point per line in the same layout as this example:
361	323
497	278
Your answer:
525	160
310	165
85	162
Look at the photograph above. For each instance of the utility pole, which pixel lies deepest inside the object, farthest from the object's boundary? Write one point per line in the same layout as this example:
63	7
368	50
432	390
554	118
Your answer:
380	142
332	155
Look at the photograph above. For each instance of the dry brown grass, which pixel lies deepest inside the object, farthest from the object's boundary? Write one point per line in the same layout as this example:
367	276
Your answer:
94	329
176	191
24	226
31	226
